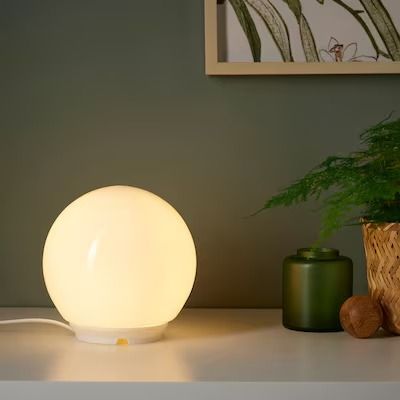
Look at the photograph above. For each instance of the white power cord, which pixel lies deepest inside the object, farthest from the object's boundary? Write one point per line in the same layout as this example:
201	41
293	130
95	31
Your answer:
36	321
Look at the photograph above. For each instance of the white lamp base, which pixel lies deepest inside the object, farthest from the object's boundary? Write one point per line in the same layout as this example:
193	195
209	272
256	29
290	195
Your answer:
119	336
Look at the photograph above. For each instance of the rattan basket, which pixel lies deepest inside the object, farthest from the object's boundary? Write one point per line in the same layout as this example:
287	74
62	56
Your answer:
382	250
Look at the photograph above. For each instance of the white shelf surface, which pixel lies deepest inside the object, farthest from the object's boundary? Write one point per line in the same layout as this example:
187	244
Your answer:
201	346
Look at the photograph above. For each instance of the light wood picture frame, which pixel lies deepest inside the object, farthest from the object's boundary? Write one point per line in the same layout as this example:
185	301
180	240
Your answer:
216	66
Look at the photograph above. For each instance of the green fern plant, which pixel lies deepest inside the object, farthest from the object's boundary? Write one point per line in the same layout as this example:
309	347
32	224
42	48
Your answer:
364	184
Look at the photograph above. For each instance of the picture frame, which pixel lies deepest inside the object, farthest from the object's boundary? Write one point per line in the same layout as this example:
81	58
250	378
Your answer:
215	66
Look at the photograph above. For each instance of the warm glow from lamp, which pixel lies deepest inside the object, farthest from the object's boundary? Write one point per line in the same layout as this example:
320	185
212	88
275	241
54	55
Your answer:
119	264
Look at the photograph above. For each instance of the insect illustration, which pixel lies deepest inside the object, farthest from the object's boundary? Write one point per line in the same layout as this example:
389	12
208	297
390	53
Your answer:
337	52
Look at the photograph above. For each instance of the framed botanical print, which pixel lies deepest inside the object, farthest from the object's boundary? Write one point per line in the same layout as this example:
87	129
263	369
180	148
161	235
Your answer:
278	37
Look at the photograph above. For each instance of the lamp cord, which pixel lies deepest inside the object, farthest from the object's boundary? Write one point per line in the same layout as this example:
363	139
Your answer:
36	321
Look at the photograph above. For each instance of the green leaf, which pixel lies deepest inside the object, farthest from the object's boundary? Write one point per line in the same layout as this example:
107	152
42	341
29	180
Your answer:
249	27
384	25
307	37
276	26
295	7
308	41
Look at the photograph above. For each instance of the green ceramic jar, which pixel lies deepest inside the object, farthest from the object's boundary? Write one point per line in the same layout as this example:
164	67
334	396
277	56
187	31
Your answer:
316	282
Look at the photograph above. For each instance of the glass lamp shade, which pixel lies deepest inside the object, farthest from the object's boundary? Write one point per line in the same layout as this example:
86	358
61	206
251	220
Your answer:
119	263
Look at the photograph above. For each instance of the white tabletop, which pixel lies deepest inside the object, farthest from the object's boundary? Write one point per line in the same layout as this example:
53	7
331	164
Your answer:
201	345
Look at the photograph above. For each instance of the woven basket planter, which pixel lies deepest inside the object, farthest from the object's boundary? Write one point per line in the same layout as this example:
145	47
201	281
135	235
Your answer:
382	250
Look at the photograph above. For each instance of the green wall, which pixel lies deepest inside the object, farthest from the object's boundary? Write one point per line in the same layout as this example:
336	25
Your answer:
95	93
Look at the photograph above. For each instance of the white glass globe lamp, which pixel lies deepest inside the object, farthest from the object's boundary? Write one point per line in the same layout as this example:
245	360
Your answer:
119	263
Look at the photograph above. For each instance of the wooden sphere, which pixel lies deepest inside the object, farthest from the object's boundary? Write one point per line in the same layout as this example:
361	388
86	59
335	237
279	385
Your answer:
360	316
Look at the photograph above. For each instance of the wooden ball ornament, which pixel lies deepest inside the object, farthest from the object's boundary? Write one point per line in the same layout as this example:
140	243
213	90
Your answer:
360	316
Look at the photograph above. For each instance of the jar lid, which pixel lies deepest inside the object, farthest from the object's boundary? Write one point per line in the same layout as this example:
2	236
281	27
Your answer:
321	253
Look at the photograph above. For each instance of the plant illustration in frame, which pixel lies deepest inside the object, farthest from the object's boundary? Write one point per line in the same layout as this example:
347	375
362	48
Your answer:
309	31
